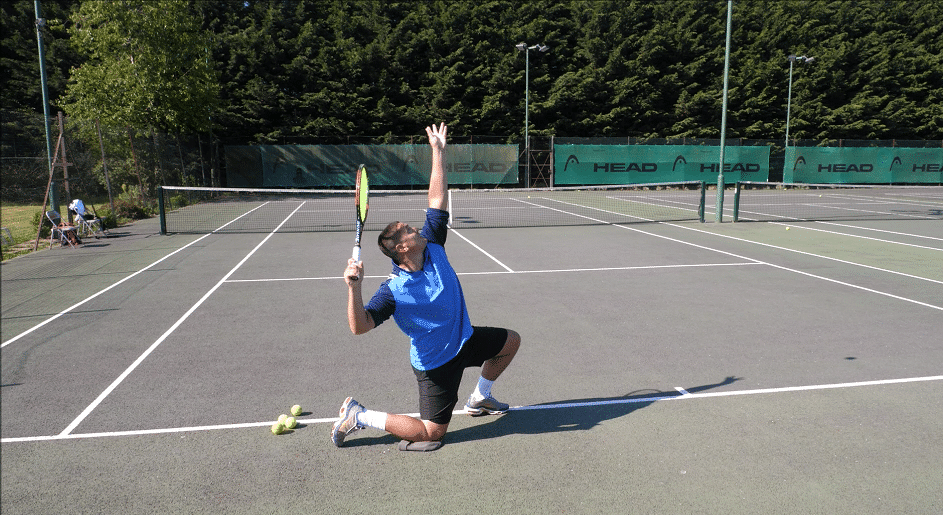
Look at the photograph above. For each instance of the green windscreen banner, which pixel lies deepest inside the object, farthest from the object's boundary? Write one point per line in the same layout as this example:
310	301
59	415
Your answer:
333	166
640	164
854	165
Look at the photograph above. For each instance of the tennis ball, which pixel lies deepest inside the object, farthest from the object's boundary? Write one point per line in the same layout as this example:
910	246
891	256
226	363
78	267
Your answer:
281	418
787	228
278	428
290	423
295	410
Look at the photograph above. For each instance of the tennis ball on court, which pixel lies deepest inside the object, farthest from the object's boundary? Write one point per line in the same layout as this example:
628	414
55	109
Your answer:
295	410
278	428
282	418
290	423
787	228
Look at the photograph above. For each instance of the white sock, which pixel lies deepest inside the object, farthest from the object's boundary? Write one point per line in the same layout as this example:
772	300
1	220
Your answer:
483	390
374	419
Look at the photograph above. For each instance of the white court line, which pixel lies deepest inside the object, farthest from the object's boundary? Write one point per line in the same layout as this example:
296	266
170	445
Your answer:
843	283
683	395
91	407
70	308
808	228
777	247
614	268
880	230
807	274
687	395
482	251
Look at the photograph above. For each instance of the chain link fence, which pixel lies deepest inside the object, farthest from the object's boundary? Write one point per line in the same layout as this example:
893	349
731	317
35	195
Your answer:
105	163
98	162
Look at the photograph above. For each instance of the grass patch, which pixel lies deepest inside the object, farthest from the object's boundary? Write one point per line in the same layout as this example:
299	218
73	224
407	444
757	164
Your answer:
22	220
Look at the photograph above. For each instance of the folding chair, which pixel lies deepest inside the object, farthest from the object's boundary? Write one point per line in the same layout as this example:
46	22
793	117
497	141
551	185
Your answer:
87	223
64	233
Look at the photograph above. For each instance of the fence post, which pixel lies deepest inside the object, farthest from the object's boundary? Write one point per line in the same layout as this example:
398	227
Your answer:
101	145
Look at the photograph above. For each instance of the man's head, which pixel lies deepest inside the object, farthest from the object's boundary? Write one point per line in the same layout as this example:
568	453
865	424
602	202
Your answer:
400	240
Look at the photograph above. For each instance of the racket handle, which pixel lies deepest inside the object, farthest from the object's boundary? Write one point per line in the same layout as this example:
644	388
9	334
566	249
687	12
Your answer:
356	257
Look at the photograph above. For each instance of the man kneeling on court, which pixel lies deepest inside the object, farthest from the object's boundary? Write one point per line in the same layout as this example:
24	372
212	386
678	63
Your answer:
424	297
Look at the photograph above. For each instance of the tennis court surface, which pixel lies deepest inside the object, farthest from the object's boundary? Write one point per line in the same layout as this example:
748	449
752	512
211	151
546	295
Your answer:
667	365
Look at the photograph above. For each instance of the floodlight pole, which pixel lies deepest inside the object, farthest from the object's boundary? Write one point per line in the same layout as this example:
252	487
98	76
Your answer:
40	23
792	59
719	215
526	49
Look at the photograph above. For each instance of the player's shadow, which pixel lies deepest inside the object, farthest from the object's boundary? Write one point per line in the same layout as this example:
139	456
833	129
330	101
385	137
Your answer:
568	415
552	417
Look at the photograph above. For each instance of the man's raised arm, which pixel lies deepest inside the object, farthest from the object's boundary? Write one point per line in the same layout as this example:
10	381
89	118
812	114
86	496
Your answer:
438	182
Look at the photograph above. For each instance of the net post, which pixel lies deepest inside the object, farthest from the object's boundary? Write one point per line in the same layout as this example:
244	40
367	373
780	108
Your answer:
700	208
160	209
736	203
719	218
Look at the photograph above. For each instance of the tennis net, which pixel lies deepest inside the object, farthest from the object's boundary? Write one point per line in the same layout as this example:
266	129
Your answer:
771	201
204	210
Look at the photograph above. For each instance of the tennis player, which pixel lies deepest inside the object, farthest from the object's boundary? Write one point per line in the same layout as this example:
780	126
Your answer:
424	297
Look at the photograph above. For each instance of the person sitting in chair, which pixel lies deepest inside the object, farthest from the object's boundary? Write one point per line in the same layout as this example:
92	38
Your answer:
88	221
77	208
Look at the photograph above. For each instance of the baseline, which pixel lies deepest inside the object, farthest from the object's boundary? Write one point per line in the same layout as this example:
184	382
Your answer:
681	395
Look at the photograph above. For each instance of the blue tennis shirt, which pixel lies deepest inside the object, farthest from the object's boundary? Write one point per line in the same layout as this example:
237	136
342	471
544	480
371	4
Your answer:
427	305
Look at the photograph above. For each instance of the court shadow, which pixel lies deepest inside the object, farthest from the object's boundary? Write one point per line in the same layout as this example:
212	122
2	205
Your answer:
568	415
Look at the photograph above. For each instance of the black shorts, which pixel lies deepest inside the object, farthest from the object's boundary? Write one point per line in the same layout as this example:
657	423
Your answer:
438	388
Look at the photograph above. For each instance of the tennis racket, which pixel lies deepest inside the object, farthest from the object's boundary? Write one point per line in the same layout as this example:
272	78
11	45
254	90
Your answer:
362	201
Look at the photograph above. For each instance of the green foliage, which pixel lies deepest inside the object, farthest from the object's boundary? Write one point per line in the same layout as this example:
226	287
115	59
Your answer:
20	87
109	218
121	170
45	228
147	66
293	71
177	201
132	204
301	71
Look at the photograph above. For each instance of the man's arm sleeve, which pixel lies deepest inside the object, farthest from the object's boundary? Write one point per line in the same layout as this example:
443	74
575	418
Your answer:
382	305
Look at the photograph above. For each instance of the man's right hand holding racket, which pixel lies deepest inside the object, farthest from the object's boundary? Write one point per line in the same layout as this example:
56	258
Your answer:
354	272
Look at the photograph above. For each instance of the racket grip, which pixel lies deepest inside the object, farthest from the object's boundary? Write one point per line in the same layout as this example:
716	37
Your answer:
356	255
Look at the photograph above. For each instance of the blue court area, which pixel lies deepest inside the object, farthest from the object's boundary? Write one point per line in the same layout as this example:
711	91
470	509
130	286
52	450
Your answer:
666	367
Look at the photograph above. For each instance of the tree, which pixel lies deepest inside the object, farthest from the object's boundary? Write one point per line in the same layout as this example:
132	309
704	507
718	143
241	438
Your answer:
148	66
21	96
19	82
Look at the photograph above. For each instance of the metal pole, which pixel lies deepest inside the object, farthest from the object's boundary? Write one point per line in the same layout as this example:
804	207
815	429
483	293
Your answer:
526	49
719	215
40	23
792	59
527	116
